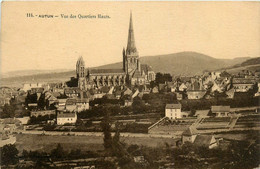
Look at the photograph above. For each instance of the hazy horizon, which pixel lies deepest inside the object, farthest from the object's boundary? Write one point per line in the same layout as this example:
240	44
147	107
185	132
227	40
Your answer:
222	30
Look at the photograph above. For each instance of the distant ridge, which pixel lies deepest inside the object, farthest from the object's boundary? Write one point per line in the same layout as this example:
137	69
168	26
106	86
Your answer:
252	64
182	63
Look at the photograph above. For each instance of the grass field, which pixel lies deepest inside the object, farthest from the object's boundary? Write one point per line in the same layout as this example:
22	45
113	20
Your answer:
85	143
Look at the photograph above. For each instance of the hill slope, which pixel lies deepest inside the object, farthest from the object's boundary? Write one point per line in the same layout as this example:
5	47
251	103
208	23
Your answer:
250	64
183	63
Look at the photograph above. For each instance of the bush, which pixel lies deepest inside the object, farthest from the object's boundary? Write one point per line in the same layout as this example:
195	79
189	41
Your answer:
9	154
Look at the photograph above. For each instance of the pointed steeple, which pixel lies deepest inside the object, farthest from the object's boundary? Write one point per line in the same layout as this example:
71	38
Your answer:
131	49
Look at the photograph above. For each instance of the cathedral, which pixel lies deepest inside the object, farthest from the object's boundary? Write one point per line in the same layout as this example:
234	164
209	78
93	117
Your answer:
132	73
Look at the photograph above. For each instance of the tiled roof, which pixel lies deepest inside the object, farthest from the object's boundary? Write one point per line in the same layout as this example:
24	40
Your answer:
106	71
201	112
173	106
243	81
74	101
220	108
190	131
72	90
203	140
66	115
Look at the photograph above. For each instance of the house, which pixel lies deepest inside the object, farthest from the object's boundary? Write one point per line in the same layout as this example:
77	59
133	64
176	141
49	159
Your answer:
32	106
183	87
217	86
189	135
77	105
117	94
139	159
215	75
179	96
155	90
29	86
128	102
220	111
196	90
208	141
72	92
173	111
61	103
111	90
66	118
135	93
196	94
50	98
172	86
127	91
243	84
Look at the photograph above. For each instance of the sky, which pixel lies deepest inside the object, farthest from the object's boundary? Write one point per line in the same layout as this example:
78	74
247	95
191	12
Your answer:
218	29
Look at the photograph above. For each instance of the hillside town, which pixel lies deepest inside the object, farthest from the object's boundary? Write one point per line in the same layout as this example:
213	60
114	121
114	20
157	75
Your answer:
133	118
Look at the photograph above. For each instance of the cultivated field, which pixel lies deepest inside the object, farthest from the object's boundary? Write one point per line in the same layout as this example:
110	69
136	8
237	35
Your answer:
85	143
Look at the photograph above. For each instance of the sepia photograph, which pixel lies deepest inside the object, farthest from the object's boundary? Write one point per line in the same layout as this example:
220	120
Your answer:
130	85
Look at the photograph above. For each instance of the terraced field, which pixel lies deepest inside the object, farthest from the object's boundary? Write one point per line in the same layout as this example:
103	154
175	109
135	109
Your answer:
248	121
214	123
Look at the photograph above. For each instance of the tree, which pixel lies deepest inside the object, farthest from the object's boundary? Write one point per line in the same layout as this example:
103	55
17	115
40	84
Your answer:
9	155
106	128
8	111
162	78
58	152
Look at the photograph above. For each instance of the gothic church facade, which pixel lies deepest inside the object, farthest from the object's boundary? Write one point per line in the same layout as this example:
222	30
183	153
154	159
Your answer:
132	73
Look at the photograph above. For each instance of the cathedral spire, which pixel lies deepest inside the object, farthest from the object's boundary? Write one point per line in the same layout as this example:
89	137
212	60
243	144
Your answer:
131	49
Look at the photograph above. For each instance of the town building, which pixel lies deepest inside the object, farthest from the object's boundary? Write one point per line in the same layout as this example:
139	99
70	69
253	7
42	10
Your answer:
29	86
173	111
196	90
132	73
77	105
220	111
66	118
72	92
189	135
243	84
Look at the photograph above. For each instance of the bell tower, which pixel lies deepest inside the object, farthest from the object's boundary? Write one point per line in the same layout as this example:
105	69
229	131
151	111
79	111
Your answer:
81	74
130	55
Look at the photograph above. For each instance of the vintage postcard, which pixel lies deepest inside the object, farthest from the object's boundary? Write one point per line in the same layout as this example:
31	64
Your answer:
117	84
